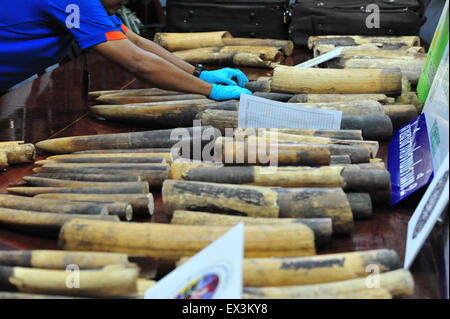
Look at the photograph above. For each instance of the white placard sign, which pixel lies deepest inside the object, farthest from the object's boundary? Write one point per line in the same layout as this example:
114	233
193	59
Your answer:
213	273
258	112
427	213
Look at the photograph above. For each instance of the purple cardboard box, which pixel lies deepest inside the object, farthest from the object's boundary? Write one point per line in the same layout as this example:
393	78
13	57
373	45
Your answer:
409	159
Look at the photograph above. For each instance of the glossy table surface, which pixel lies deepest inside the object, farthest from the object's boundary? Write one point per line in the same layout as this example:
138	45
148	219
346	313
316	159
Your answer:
52	106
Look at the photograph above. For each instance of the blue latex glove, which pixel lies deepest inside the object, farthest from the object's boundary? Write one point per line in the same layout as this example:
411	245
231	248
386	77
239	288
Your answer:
224	76
223	92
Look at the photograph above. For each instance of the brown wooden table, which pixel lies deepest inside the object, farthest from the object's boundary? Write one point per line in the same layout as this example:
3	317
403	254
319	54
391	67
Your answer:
52	106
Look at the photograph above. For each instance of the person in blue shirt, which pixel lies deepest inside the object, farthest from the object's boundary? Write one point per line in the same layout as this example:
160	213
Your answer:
36	34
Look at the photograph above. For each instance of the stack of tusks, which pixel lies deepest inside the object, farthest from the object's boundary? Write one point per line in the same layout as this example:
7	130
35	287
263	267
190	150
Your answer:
363	78
212	187
220	48
49	274
403	53
84	174
311	214
107	186
373	53
359	94
44	274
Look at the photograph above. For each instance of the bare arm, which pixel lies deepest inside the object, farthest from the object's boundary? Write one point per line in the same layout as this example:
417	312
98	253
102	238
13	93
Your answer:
152	47
152	68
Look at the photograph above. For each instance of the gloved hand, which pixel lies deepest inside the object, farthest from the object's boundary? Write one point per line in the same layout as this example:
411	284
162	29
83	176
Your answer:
224	76
222	92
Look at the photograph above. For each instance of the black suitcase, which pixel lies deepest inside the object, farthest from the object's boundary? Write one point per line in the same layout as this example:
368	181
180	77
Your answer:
242	18
341	17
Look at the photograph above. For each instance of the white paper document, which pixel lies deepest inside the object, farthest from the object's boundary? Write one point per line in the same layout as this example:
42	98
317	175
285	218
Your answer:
427	213
213	273
321	58
258	112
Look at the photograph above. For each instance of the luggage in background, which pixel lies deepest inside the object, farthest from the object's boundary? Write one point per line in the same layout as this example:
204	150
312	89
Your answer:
341	17
242	18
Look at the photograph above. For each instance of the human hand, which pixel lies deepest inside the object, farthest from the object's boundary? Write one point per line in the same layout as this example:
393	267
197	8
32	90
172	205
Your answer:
227	92
224	76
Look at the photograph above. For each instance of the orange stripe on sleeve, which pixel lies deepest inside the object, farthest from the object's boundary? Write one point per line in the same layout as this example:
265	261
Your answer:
124	28
115	35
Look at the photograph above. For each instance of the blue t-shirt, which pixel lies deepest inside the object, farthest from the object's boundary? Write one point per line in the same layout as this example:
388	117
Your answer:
35	34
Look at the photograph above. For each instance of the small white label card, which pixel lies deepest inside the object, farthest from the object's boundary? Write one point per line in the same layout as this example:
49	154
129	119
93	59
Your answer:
258	112
213	273
321	58
427	213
